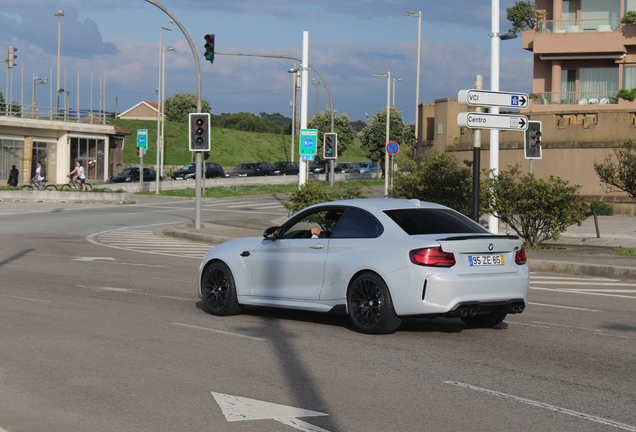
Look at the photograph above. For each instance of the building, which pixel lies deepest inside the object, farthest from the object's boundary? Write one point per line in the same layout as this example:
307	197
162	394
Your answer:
144	110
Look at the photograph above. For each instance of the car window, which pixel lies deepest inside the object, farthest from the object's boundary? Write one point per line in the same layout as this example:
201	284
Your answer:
130	171
324	220
358	223
245	166
189	166
433	221
265	165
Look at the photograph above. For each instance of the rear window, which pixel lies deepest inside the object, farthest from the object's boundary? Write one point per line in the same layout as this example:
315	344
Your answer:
433	221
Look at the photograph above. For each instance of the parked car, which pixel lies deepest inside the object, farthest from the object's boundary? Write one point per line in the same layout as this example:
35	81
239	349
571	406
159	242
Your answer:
368	166
349	167
285	168
322	166
252	169
212	170
381	260
130	175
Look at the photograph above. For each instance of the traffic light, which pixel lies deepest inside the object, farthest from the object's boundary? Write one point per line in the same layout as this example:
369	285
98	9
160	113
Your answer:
206	155
532	140
209	47
11	56
330	146
199	131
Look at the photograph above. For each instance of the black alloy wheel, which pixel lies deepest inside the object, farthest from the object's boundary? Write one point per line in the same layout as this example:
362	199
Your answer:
219	291
370	305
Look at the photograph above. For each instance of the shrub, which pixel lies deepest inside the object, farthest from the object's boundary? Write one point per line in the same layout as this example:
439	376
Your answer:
629	95
536	209
629	17
619	169
600	209
312	193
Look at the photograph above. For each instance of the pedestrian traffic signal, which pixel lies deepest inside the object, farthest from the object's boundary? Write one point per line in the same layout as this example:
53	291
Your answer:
532	140
11	56
199	131
209	48
330	146
206	155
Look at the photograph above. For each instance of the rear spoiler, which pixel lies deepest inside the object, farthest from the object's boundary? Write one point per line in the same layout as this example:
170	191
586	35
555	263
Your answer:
487	236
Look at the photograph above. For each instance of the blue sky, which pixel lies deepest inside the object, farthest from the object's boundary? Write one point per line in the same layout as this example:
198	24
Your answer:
348	42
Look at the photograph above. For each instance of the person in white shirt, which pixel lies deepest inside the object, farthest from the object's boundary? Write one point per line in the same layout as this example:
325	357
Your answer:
78	173
37	177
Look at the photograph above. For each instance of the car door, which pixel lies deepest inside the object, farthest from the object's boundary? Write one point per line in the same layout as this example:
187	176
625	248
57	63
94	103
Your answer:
292	265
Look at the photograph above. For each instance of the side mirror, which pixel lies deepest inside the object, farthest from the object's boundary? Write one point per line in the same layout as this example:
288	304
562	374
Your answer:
270	232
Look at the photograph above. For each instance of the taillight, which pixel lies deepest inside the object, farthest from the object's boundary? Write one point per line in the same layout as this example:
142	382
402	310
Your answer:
520	256
432	257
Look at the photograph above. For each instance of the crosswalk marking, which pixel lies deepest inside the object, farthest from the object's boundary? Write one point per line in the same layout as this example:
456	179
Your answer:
149	242
579	285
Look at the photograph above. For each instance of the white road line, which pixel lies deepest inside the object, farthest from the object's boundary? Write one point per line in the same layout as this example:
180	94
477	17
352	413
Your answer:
571	278
25	298
562	327
600	289
219	331
583	292
625	284
564	307
546	406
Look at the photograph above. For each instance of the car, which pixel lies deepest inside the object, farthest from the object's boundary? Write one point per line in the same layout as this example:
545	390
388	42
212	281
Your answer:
285	168
252	169
212	170
130	175
378	260
349	167
321	166
368	166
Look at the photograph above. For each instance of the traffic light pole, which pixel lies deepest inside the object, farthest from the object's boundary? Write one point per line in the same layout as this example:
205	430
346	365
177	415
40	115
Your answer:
199	156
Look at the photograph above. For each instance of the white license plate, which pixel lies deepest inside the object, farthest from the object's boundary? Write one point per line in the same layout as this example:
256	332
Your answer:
485	260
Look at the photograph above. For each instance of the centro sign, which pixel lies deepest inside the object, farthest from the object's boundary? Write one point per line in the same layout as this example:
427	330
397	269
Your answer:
492	121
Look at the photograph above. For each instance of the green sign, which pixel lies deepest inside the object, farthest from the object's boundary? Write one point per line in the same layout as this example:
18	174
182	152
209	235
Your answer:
308	138
142	138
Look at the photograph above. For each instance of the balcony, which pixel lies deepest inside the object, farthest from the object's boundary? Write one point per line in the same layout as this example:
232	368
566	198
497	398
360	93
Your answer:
582	25
577	98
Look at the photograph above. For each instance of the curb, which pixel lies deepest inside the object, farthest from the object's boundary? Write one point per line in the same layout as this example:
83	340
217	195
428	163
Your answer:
572	268
203	238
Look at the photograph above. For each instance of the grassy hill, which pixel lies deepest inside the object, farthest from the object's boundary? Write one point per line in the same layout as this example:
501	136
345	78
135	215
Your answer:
229	147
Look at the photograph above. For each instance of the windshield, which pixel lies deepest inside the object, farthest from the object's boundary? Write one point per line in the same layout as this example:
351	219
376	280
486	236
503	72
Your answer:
189	166
130	171
433	221
245	166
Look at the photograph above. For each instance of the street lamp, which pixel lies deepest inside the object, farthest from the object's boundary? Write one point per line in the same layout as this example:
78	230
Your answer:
294	71
388	117
163	102
59	15
316	83
417	86
36	81
159	109
394	80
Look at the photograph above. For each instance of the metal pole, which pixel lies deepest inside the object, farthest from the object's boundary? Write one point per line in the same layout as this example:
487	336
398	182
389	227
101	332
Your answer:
78	95
162	142
302	173
493	222
388	122
158	91
417	86
479	80
293	129
91	113
59	15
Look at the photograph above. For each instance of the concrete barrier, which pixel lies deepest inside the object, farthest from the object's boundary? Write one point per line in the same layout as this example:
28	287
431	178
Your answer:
68	197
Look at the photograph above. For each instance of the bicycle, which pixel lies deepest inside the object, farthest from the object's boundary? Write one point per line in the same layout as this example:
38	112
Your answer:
72	184
35	186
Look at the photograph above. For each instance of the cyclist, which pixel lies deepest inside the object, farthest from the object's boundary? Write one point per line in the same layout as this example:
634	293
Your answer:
38	177
78	173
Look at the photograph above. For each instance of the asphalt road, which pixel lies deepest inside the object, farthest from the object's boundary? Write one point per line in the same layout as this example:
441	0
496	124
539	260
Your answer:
102	331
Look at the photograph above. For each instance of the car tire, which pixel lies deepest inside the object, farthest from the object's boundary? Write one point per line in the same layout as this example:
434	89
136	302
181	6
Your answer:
370	306
485	321
218	290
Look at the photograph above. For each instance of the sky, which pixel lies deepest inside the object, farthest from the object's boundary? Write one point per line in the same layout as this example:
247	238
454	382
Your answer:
348	42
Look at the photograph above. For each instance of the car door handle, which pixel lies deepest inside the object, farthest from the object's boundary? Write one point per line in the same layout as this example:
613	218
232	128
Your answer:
317	246
245	253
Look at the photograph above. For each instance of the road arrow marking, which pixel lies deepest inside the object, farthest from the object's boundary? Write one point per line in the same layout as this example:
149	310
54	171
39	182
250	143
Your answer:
236	408
94	259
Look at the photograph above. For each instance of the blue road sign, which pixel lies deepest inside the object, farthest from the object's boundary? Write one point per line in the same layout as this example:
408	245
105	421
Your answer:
392	148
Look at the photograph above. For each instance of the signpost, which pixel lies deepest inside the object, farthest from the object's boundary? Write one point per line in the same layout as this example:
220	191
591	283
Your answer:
392	148
492	121
308	138
142	143
492	99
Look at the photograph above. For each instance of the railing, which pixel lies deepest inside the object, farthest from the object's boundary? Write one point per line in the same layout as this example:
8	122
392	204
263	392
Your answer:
579	26
52	113
577	98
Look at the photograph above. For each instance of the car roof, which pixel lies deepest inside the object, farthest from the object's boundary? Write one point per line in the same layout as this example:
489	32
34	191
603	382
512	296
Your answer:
382	204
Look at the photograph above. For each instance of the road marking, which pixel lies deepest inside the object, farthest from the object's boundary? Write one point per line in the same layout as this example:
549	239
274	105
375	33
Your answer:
546	406
236	408
24	298
563	327
113	289
588	283
94	259
573	278
219	331
565	307
133	291
573	291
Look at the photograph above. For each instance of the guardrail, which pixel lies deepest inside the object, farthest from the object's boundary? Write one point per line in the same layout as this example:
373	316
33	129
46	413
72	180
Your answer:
577	98
580	25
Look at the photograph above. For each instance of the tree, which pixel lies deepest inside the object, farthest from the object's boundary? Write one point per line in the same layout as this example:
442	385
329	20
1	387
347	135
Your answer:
178	107
358	125
248	122
523	15
439	178
341	126
536	209
408	137
14	108
619	169
277	118
373	136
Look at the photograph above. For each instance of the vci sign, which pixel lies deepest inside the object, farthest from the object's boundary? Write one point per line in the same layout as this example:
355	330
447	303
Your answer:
492	99
492	121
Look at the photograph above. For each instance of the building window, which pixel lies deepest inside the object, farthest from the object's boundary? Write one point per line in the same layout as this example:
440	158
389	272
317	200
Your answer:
11	152
629	77
90	153
568	87
44	153
598	83
630	5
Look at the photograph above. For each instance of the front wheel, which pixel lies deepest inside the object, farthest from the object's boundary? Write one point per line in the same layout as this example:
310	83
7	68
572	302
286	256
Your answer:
27	187
484	321
219	291
50	187
370	305
66	187
88	187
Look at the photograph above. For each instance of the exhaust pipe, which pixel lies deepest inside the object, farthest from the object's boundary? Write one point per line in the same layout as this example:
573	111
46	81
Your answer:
515	309
472	312
521	309
463	312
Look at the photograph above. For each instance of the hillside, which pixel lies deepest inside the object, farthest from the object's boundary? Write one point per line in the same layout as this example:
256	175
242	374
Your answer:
229	147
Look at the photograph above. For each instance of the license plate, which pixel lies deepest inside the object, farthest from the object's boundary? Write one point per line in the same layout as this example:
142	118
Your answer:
485	260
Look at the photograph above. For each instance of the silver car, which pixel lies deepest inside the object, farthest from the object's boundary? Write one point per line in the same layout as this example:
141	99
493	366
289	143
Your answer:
380	260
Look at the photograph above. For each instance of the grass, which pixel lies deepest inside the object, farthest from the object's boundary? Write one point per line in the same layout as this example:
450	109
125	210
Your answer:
230	191
625	252
229	147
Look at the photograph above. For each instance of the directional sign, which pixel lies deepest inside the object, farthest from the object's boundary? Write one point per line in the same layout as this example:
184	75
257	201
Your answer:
492	99
308	138
492	121
142	138
392	148
240	408
307	157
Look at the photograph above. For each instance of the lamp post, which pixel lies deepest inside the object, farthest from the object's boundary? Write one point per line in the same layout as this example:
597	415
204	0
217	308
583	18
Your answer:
294	71
163	101
59	15
316	83
417	85
388	118
160	109
394	80
36	81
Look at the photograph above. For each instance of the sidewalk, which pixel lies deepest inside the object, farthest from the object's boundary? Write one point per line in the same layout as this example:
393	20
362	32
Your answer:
577	252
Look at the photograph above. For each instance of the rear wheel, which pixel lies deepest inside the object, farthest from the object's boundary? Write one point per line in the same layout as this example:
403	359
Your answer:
66	187
219	291
370	305
50	187
484	321
88	187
